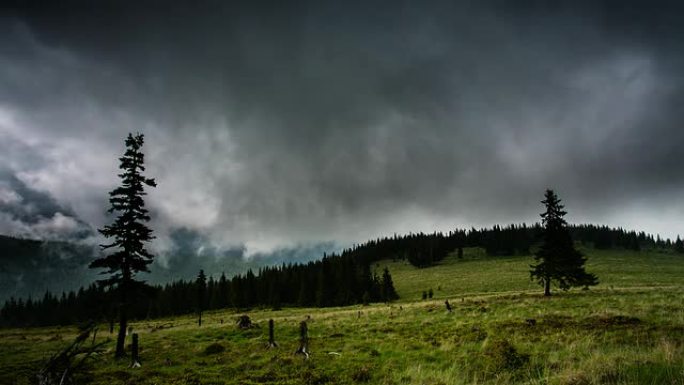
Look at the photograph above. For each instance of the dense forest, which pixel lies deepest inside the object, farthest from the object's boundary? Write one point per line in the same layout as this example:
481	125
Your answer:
423	250
335	280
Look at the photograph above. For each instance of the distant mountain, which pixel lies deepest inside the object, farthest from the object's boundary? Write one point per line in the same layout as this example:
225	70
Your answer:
30	267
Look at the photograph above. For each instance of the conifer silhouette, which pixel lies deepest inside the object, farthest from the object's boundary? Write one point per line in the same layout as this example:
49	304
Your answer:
129	233
557	259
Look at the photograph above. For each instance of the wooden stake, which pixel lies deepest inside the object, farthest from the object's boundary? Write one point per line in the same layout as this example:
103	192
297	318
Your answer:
135	358
271	338
303	340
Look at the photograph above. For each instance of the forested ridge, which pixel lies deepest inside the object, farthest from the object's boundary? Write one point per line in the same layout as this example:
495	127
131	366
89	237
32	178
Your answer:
338	279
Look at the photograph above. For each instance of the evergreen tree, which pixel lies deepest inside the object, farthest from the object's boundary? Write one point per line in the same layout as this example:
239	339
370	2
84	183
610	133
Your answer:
557	259
679	245
129	233
387	290
223	287
201	289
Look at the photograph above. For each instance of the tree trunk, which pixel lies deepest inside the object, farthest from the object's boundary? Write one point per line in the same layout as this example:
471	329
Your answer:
547	287
123	318
199	322
121	339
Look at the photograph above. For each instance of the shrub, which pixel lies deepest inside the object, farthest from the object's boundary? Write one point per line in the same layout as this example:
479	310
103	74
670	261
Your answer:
501	355
214	348
361	374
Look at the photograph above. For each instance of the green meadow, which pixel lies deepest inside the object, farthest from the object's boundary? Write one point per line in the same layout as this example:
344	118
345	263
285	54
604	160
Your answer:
627	330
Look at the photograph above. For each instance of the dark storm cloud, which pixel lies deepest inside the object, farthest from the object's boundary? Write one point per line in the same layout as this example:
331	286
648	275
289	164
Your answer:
273	124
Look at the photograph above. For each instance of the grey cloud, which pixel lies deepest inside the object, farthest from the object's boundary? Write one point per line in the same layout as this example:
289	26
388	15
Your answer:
269	125
26	212
191	251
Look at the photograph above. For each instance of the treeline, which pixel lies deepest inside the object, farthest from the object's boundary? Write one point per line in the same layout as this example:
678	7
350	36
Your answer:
335	280
423	250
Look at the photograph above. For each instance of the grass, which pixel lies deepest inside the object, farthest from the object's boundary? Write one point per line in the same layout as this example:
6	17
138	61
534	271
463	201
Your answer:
477	273
627	330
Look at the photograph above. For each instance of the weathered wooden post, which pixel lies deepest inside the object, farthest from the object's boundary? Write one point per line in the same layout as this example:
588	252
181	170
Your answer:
303	340
135	357
271	338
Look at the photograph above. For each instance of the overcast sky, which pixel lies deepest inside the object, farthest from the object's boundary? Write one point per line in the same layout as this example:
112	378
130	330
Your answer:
272	125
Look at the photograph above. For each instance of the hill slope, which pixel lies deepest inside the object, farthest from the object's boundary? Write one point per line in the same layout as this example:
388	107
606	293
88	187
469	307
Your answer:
628	330
478	273
30	267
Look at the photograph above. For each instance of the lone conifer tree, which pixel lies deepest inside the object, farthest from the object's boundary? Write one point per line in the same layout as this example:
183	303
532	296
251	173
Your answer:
129	233
557	259
387	289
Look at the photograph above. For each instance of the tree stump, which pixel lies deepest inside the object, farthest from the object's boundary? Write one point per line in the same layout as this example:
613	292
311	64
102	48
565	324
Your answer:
271	338
135	357
244	322
303	340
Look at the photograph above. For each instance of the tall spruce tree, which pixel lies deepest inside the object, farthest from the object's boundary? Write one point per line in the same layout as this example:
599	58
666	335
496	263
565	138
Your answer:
557	259
129	234
388	293
201	287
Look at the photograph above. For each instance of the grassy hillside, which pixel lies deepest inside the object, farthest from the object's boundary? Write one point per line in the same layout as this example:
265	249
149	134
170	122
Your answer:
477	273
628	330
